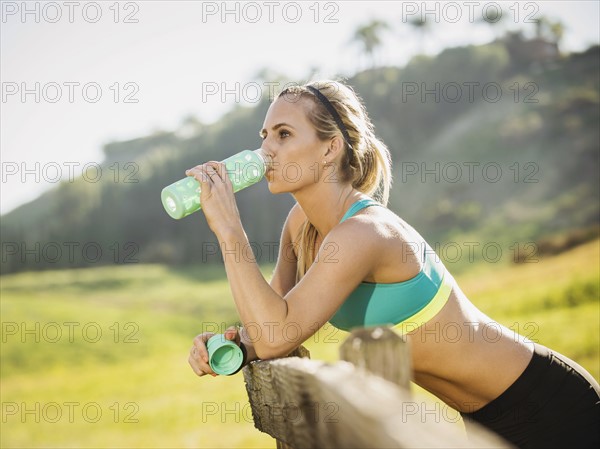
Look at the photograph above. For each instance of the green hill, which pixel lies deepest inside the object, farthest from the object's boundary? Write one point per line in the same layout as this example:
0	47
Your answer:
488	148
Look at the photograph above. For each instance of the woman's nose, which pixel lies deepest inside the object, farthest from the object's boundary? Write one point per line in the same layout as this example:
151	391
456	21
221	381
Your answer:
267	149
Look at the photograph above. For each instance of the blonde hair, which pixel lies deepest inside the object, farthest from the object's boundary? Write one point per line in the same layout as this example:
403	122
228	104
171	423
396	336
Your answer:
366	162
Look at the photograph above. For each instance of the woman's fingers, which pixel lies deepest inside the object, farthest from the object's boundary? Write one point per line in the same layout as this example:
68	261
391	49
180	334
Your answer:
199	347
198	358
221	170
232	334
218	174
211	175
192	360
199	172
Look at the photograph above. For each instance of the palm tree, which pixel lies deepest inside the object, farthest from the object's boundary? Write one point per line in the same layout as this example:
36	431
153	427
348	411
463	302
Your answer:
496	19
557	29
546	28
369	37
549	30
422	26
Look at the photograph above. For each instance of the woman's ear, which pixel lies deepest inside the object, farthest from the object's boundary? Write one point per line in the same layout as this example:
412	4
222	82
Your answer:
336	147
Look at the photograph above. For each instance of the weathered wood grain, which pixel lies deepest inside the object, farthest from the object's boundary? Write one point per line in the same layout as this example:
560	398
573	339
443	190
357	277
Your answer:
306	403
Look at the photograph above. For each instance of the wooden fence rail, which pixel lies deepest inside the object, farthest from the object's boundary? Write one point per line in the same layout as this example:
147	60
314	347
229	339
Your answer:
362	401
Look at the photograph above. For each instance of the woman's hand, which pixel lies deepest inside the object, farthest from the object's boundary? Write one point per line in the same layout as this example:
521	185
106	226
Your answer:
198	358
216	196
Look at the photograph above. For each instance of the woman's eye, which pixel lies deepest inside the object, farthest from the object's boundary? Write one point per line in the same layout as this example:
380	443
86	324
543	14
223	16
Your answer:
282	134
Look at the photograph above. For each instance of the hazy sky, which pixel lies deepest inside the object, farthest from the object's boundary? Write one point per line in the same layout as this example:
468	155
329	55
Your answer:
78	75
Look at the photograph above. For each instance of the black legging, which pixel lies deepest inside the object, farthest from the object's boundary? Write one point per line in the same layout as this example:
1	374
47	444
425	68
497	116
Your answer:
555	403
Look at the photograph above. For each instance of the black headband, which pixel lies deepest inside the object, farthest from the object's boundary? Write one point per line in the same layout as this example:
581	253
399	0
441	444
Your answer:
333	113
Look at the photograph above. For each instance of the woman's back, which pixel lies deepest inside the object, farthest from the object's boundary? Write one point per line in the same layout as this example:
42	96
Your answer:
446	345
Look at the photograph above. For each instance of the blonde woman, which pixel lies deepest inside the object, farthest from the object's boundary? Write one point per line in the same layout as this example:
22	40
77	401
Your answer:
348	260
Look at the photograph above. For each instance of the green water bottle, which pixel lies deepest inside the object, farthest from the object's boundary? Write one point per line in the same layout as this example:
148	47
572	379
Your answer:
182	198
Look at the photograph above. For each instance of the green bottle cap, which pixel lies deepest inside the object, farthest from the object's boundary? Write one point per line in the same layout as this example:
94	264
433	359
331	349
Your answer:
171	204
224	356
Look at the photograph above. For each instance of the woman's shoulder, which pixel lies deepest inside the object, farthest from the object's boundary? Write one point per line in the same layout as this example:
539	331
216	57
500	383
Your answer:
375	224
372	227
376	219
294	221
384	232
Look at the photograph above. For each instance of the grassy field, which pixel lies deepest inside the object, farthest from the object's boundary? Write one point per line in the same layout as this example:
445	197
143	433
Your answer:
98	357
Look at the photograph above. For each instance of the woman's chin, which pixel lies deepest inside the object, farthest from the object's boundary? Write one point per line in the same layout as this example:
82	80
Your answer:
274	188
278	187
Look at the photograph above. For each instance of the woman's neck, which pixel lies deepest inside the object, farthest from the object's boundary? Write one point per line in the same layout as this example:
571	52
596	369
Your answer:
326	204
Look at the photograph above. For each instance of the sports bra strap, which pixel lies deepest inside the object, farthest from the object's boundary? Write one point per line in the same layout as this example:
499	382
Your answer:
357	206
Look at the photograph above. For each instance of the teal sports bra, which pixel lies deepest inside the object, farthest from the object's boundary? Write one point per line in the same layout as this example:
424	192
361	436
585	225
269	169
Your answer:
405	305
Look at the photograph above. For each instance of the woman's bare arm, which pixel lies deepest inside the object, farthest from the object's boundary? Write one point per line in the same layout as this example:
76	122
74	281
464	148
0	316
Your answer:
284	275
278	323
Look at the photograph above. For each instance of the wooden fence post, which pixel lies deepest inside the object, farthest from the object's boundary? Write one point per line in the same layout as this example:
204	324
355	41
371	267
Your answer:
263	388
380	351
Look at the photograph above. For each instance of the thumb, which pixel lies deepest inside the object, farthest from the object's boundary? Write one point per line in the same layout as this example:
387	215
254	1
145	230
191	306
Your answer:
232	334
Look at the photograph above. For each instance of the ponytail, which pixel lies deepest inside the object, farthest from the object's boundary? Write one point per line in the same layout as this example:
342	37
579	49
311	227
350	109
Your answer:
374	177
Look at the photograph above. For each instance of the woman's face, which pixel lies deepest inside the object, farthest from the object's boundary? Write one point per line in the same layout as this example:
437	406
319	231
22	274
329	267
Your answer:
291	140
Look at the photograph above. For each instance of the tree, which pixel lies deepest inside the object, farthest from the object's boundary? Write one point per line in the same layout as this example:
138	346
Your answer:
497	20
549	30
369	37
422	27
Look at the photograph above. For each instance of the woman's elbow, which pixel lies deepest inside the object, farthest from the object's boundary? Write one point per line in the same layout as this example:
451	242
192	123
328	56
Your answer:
266	351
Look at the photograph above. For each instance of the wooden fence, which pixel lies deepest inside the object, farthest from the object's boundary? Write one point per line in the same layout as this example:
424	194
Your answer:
362	401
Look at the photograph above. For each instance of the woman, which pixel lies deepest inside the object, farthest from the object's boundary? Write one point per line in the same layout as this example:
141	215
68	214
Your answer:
530	395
